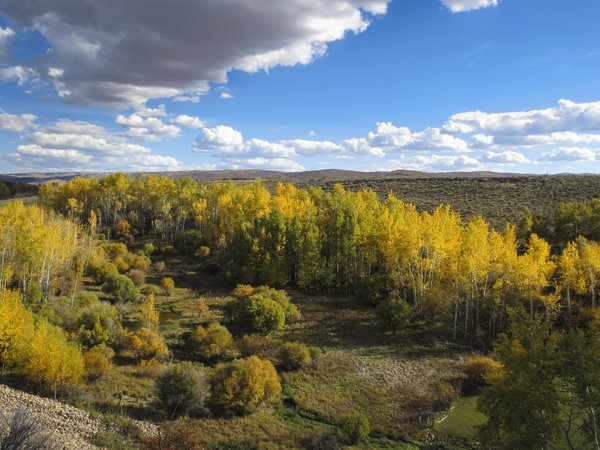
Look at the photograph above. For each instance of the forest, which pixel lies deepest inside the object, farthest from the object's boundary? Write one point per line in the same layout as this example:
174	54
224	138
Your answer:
241	315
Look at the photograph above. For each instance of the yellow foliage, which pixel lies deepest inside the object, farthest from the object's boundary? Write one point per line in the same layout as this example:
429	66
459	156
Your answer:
243	384
98	361
167	284
144	344
212	341
150	317
242	291
16	329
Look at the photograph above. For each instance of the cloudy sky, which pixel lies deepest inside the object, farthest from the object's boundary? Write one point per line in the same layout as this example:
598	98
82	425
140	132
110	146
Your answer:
434	85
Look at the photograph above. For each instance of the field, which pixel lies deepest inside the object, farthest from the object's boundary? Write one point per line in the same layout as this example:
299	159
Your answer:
395	379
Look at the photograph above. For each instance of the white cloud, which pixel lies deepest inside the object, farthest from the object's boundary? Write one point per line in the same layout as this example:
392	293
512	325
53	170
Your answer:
308	147
188	121
438	163
124	53
221	138
22	75
16	122
393	138
468	5
574	154
505	158
226	95
567	116
147	128
187	99
6	35
75	145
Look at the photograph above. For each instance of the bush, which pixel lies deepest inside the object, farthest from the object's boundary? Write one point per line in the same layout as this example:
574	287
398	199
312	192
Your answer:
242	291
98	324
21	431
202	252
256	344
137	276
355	427
178	436
138	262
243	384
150	289
149	248
182	389
121	287
258	314
144	344
168	285
478	370
212	341
282	299
324	441
445	394
294	355
121	265
395	313
98	361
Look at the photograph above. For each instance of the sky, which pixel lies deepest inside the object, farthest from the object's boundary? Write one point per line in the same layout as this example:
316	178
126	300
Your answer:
431	85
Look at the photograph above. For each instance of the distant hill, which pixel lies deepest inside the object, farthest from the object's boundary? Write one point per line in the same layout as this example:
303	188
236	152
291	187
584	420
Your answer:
253	174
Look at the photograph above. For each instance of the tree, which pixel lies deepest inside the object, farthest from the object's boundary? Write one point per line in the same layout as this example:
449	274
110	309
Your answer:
243	384
121	287
168	285
259	314
212	341
144	345
523	401
181	389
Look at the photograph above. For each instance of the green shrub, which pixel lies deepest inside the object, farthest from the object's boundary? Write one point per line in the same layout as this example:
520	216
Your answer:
243	384
395	313
282	299
98	324
294	355
182	389
355	427
121	287
212	341
258	314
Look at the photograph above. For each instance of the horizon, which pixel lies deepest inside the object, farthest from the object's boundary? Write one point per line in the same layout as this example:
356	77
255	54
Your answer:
433	86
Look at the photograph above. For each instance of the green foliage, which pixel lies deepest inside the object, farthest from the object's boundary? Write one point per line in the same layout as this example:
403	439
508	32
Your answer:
212	341
121	287
98	324
243	384
294	355
395	313
181	389
355	427
259	314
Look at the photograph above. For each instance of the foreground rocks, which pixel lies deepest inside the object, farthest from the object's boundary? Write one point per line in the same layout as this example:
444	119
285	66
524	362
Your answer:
70	428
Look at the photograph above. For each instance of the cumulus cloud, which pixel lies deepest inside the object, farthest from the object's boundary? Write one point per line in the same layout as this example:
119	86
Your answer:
120	53
16	122
394	138
573	154
6	35
188	121
506	158
147	128
76	145
468	5
566	116
438	163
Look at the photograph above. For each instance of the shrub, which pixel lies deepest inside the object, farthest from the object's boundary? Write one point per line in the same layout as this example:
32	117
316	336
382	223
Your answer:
150	289
478	370
255	344
22	431
121	287
114	249
259	314
324	441
168	285
201	306
149	248
137	276
282	299
144	344
121	265
160	267
139	262
355	427
294	355
177	436
98	324
202	252
243	384
212	341
242	291
445	394
98	361
182	389
395	313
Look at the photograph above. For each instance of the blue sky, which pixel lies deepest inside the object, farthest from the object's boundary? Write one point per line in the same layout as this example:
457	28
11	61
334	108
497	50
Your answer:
433	85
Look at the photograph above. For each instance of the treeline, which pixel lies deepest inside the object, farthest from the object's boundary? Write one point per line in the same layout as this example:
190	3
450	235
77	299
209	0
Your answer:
9	189
466	274
568	221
